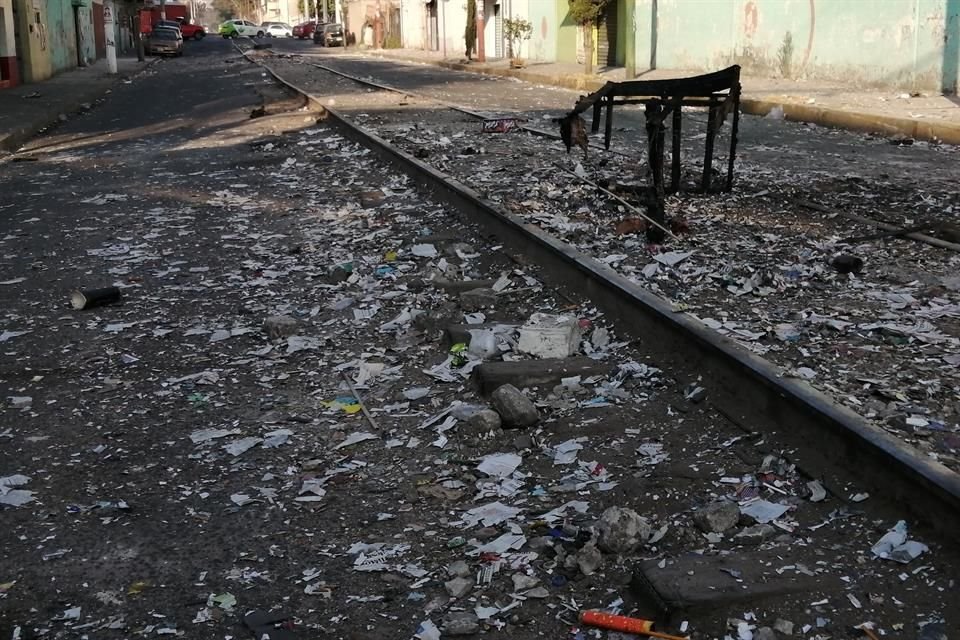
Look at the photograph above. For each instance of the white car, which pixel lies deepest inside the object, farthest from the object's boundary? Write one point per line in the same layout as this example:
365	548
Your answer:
278	30
234	28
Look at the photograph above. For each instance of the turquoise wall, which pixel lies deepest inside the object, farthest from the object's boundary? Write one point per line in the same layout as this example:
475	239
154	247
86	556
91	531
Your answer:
87	38
890	43
542	44
61	35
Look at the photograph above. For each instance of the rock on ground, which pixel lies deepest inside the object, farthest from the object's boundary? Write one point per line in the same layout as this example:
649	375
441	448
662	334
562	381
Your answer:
515	409
460	623
280	327
589	559
458	587
484	421
717	517
622	530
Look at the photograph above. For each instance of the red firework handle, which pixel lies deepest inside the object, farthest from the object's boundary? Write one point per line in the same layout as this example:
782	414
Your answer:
616	623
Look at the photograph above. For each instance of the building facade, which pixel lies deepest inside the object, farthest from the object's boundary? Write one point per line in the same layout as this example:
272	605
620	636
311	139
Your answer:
894	43
40	38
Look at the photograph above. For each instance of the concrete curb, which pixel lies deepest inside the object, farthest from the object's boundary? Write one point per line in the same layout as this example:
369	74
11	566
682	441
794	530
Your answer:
864	122
857	121
13	140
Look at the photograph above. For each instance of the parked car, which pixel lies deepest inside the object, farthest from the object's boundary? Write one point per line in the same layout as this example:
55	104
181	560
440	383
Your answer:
234	28
305	29
194	31
163	41
166	28
167	24
329	35
277	30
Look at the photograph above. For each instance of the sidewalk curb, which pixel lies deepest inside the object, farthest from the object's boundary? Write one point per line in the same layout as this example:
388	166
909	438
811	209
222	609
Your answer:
857	121
10	142
863	122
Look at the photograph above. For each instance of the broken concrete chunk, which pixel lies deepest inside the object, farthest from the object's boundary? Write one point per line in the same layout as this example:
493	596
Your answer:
550	336
485	421
459	569
460	623
622	530
515	409
589	559
280	327
764	633
531	373
717	517
477	299
523	582
371	199
757	534
458	587
783	626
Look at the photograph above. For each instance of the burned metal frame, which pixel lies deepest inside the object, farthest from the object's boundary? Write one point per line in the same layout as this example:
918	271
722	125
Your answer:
719	92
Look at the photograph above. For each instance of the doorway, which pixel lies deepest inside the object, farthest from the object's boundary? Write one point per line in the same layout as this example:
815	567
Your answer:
433	32
81	61
497	32
18	44
607	36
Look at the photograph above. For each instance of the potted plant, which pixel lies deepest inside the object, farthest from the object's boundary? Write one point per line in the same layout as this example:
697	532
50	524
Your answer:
516	30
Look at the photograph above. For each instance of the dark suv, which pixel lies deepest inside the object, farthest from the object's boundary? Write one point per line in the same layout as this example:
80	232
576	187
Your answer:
329	35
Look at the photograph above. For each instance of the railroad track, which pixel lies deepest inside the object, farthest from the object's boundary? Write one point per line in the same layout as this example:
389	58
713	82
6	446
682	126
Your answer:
827	439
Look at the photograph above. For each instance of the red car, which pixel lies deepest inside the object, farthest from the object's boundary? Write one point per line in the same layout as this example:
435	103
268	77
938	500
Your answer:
305	29
194	31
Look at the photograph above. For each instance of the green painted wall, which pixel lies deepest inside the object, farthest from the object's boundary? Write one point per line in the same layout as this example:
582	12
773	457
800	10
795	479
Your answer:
566	33
88	40
643	36
622	31
61	35
891	43
543	15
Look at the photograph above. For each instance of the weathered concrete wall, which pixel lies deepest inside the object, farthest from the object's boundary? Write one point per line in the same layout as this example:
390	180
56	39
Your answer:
567	37
9	70
414	21
453	22
893	43
543	41
88	44
34	43
62	35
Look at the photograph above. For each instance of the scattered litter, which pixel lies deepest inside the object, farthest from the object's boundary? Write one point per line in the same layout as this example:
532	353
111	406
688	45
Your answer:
356	438
894	545
10	495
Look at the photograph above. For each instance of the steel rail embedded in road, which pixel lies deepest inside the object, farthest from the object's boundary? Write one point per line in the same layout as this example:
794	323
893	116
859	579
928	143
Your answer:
877	224
449	105
825	438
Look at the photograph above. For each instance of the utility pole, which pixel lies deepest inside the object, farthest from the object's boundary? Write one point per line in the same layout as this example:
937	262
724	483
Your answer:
109	32
137	25
479	19
163	9
324	11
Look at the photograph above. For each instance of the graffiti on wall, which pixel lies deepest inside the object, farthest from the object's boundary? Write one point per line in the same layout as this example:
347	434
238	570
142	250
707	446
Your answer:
786	58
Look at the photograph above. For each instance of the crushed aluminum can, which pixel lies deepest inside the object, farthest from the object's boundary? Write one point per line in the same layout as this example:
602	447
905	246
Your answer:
501	125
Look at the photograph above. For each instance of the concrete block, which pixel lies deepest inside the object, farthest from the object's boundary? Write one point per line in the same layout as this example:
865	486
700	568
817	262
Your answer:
532	373
550	336
698	583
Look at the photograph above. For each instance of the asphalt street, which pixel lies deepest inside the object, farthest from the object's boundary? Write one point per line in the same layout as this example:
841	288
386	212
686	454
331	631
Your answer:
273	417
772	144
